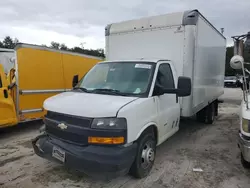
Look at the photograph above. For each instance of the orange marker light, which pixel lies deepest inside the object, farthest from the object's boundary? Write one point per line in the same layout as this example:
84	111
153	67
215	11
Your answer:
105	140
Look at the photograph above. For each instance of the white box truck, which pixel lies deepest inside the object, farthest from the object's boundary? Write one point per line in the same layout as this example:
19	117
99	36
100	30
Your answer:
158	69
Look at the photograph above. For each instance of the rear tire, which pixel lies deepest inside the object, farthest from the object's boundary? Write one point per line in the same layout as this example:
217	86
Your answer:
145	156
216	107
201	115
245	163
207	114
210	115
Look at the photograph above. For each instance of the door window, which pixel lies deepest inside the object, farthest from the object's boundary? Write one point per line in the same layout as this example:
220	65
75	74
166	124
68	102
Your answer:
165	77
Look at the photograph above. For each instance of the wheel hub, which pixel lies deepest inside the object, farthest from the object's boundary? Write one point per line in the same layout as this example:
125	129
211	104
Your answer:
148	155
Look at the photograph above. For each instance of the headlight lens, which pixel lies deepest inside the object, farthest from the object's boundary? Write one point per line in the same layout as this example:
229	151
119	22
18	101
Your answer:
246	125
109	123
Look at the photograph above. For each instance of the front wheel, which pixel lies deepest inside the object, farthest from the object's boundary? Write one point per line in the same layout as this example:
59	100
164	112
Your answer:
145	156
245	163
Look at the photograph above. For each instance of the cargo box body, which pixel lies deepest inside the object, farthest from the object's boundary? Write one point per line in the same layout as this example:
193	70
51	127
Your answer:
192	43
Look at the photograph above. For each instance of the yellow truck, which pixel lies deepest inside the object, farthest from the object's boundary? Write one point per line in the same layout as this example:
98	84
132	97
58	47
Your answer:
37	73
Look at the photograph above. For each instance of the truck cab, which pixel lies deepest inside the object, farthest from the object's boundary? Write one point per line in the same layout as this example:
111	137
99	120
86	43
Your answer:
114	118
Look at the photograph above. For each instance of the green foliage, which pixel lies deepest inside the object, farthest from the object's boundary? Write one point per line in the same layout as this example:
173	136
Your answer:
82	50
63	47
1	44
8	42
55	45
229	54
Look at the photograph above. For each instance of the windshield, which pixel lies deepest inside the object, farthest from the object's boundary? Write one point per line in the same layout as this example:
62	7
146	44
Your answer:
121	78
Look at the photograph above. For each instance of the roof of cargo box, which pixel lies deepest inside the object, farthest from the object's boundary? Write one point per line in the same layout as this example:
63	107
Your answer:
189	17
23	45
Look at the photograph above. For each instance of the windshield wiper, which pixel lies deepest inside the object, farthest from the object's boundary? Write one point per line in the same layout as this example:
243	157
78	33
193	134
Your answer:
82	89
110	91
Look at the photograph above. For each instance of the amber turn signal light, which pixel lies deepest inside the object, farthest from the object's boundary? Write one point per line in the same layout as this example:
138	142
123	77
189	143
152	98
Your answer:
105	140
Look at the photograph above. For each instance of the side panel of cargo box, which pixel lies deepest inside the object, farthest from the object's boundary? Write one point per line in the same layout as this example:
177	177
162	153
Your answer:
208	66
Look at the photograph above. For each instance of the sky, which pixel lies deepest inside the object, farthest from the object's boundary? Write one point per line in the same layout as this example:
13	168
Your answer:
82	22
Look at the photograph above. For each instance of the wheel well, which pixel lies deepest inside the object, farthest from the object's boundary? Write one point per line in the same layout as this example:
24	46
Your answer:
151	129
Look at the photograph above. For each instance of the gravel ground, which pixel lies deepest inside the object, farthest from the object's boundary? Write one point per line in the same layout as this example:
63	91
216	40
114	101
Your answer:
213	148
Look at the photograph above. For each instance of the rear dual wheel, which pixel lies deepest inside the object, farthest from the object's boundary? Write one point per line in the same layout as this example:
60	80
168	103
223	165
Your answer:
207	114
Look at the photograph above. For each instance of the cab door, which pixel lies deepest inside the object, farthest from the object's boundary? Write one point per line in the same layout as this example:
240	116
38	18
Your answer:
167	104
7	106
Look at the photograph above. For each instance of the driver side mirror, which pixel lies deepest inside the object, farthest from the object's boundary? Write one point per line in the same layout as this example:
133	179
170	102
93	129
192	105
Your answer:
75	81
184	86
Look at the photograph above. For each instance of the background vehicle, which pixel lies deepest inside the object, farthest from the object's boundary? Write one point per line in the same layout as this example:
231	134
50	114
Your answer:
237	62
230	81
38	73
136	101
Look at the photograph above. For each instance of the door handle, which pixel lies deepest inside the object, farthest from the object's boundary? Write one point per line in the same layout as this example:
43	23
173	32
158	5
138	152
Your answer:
5	93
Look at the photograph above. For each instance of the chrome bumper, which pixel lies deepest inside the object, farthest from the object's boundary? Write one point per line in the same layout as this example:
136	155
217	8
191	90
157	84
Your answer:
244	146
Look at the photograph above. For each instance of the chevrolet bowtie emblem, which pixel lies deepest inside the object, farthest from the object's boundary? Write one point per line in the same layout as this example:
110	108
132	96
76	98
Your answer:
62	126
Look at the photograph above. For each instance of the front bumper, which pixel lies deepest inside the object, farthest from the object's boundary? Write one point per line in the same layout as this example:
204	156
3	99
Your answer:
244	146
230	84
99	161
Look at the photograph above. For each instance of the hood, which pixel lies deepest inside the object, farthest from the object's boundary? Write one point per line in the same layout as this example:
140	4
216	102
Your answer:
86	104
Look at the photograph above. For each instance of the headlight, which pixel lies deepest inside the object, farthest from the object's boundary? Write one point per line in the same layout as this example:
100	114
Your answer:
246	125
109	123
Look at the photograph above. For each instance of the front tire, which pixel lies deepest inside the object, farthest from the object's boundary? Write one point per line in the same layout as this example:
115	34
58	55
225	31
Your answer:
145	156
245	163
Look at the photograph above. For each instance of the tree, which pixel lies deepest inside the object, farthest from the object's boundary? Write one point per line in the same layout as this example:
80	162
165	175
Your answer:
55	45
63	47
1	44
229	54
100	50
8	42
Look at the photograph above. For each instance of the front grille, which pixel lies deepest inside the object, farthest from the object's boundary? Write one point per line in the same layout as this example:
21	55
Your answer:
66	136
69	119
76	127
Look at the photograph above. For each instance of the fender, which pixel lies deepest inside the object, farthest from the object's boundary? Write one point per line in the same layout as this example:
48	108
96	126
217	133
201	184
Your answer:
145	127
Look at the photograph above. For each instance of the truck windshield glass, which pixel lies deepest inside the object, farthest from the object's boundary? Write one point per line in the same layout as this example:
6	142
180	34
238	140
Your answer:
119	78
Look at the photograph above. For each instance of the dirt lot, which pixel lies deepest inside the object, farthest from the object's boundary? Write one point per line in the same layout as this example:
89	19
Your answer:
213	148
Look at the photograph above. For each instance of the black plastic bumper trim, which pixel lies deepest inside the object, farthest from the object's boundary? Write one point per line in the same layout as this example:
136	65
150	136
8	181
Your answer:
93	160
